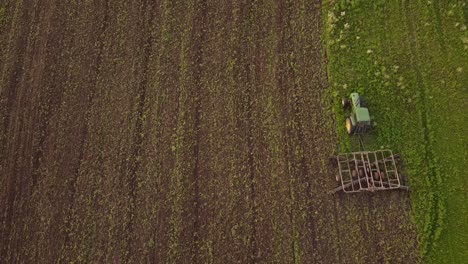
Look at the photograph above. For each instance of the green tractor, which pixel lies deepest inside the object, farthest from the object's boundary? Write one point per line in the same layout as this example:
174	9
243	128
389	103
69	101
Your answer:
359	120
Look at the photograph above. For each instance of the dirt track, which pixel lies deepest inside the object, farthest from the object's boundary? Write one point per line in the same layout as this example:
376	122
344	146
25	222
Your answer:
177	131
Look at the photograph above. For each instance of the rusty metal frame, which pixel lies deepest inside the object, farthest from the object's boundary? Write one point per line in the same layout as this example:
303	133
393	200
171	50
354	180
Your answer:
368	171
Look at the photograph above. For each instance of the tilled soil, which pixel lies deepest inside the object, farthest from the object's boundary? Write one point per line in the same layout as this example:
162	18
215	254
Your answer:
177	131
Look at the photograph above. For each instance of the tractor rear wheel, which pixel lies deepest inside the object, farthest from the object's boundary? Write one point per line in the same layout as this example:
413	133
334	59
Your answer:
362	101
349	126
346	103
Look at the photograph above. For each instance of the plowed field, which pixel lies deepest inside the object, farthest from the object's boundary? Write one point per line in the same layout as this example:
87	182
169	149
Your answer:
177	131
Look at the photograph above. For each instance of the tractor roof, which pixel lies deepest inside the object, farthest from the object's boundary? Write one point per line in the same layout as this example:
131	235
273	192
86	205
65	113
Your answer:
362	114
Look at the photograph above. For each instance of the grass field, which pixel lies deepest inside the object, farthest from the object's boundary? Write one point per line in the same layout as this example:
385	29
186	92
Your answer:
409	58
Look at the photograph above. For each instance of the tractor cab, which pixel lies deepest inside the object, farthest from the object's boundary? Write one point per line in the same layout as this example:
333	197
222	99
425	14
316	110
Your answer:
358	120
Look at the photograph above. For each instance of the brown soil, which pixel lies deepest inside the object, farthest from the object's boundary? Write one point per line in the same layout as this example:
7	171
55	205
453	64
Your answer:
177	131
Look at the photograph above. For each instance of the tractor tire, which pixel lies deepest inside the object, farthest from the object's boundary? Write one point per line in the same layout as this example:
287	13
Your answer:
345	103
362	101
349	126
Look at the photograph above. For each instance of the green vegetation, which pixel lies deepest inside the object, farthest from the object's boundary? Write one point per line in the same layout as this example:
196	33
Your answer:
197	132
409	59
2	15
